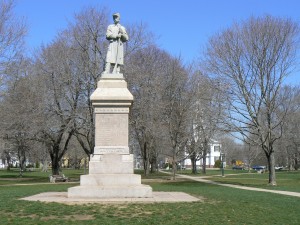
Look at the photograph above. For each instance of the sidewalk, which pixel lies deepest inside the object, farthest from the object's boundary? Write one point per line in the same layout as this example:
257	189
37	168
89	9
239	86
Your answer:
199	179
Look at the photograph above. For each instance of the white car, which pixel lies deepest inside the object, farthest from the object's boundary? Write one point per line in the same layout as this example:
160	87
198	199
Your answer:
278	167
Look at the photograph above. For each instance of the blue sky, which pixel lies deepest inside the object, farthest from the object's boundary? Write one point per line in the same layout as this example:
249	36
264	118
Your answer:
183	26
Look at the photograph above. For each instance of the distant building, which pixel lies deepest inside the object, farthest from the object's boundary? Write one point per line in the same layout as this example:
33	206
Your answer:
212	156
2	163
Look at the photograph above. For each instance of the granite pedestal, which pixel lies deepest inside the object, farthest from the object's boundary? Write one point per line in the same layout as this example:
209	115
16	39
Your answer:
111	166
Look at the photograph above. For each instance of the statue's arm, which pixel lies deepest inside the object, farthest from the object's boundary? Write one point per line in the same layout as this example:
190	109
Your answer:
124	36
109	34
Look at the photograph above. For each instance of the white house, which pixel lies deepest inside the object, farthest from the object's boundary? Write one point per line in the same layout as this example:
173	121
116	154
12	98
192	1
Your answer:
2	165
212	156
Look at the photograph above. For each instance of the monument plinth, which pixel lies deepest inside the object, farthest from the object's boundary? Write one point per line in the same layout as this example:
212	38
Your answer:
111	166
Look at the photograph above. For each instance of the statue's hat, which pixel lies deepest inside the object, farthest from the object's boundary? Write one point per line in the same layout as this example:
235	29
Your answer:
116	15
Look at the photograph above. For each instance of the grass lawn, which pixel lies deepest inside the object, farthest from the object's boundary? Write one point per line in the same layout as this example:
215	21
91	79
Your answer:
286	180
210	172
220	205
12	176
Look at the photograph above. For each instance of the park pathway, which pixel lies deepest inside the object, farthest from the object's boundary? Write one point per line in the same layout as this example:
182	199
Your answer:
203	180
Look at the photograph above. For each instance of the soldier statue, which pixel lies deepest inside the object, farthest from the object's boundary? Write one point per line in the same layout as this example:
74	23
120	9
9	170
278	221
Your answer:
116	34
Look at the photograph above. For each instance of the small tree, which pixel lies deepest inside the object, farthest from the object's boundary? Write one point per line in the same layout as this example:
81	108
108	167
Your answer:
207	113
218	164
178	101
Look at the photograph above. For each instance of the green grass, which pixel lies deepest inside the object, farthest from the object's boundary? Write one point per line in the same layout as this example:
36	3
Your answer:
36	176
154	175
210	172
219	205
286	180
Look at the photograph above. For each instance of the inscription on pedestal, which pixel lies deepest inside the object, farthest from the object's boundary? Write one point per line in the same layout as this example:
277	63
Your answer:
112	110
111	150
111	130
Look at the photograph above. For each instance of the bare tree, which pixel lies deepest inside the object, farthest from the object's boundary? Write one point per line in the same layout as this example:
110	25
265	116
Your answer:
62	92
178	102
288	148
253	58
207	114
159	84
145	71
230	148
12	33
20	114
87	36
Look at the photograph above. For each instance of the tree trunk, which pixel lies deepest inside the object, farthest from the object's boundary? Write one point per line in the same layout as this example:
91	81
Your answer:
55	162
289	160
153	166
296	163
55	167
204	165
146	166
146	162
204	158
193	161
174	168
8	159
153	163
271	165
22	165
22	160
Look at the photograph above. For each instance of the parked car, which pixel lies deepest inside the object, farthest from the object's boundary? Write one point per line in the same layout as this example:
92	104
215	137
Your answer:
258	168
237	168
278	167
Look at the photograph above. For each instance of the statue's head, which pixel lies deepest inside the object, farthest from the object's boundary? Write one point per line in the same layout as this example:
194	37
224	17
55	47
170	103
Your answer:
116	17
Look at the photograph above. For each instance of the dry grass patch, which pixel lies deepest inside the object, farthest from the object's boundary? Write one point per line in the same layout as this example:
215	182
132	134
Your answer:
70	217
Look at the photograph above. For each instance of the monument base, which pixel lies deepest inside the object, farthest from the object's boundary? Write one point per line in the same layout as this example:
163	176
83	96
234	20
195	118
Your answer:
96	192
111	166
111	176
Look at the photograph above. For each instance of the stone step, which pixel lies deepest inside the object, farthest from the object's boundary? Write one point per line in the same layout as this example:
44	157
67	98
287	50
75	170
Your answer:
118	168
110	179
136	191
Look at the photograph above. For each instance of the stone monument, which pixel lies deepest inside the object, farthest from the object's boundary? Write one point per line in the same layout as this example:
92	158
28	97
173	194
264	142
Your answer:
111	166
